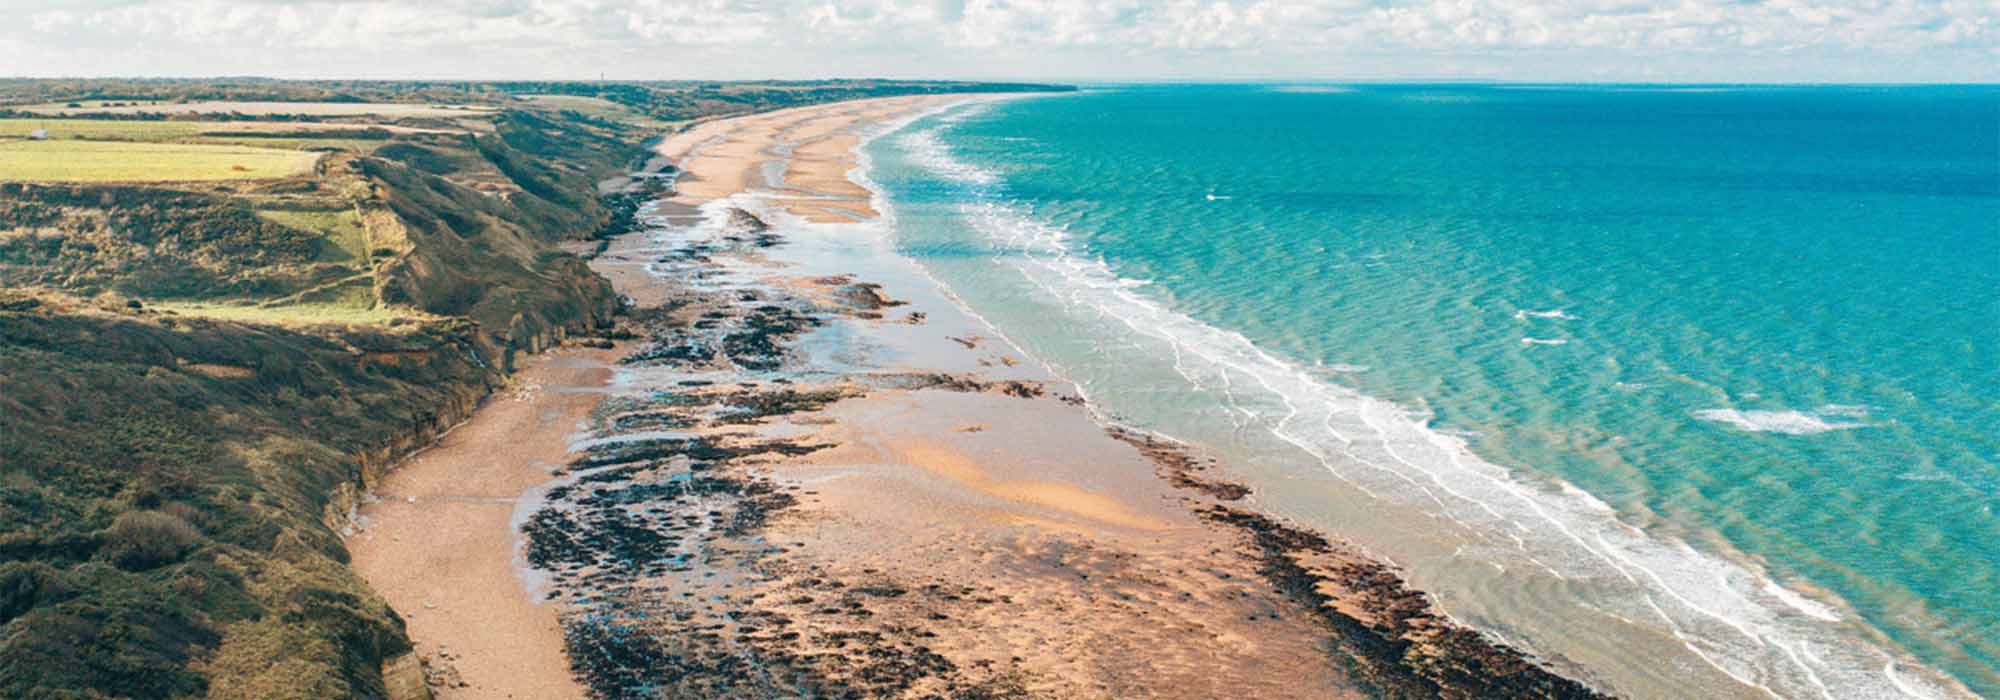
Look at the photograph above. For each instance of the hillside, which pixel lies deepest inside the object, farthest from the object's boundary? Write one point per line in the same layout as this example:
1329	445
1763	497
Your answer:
204	365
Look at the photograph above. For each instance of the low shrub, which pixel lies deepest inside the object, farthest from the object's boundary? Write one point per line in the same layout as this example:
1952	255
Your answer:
143	539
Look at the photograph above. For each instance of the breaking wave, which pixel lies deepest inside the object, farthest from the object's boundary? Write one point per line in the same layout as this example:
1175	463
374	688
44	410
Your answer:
1724	612
1824	419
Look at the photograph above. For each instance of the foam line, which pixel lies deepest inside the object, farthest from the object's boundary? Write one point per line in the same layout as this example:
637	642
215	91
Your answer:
1727	613
1824	419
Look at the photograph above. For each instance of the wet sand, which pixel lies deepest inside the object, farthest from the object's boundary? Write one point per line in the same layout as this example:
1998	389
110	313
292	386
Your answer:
814	474
809	150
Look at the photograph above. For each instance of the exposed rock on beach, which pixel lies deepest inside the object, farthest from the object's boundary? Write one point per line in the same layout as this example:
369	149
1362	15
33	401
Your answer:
774	488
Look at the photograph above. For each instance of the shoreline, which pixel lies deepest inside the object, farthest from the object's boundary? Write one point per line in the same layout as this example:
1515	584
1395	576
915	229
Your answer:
816	470
1742	633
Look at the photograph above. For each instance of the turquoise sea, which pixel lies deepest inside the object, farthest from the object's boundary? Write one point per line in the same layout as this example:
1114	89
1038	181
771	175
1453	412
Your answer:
1692	390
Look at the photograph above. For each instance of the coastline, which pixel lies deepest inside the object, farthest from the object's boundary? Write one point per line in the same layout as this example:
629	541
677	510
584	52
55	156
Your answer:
815	470
1035	244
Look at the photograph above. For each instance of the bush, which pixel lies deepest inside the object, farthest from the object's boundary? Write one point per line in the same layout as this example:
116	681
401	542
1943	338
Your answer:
27	585
143	539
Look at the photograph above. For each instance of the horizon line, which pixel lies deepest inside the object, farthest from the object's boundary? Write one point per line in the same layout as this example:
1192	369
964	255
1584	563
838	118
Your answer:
1056	81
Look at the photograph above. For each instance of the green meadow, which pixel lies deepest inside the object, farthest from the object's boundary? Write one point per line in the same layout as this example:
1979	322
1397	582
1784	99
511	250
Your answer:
595	107
240	133
346	238
318	109
106	129
120	161
201	371
294	315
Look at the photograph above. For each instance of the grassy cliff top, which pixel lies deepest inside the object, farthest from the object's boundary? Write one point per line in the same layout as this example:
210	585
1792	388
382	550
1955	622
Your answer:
201	365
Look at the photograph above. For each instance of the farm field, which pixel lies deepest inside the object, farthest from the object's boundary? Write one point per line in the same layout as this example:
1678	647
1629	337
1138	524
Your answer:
293	143
324	109
114	161
597	107
60	129
241	133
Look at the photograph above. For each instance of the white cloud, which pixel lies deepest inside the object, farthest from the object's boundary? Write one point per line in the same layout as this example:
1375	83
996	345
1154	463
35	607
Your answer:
810	37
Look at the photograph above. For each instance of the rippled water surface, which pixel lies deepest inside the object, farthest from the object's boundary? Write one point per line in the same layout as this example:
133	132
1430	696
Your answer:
1691	388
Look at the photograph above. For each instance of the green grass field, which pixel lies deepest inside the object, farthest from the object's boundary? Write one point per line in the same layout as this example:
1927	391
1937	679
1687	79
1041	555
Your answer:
324	109
241	133
295	144
344	312
114	161
592	106
100	129
347	240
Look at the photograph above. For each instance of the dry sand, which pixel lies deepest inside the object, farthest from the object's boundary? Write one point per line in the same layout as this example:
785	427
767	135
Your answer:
814	144
439	544
1079	571
951	524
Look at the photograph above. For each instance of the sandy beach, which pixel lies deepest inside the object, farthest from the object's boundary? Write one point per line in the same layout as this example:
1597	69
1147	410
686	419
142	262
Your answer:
814	473
439	542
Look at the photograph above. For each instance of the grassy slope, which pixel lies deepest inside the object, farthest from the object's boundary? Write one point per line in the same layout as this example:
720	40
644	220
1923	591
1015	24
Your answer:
235	414
171	485
167	500
346	239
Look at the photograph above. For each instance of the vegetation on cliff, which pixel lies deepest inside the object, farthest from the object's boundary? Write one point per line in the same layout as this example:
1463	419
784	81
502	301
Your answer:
172	488
199	376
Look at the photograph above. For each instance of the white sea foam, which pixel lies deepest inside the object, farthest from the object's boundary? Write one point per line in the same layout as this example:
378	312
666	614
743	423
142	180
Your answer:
1824	419
1810	607
1932	476
581	443
1313	89
1590	501
925	147
1544	341
1724	612
1552	314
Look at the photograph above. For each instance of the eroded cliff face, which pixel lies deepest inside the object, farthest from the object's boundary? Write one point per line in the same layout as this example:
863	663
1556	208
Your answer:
476	222
173	486
174	489
485	258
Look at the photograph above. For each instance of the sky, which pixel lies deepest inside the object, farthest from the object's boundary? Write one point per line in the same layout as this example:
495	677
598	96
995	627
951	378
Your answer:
1057	40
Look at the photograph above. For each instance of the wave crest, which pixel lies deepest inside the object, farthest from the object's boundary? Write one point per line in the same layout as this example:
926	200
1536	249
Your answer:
1551	314
1824	419
1725	612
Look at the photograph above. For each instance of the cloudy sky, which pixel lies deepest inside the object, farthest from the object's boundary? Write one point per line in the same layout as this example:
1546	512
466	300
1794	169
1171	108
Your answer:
1610	40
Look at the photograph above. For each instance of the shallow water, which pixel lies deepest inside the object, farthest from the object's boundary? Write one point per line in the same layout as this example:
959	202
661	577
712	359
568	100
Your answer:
1692	390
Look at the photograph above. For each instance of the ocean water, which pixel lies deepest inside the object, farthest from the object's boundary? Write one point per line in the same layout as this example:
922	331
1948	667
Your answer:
1693	391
